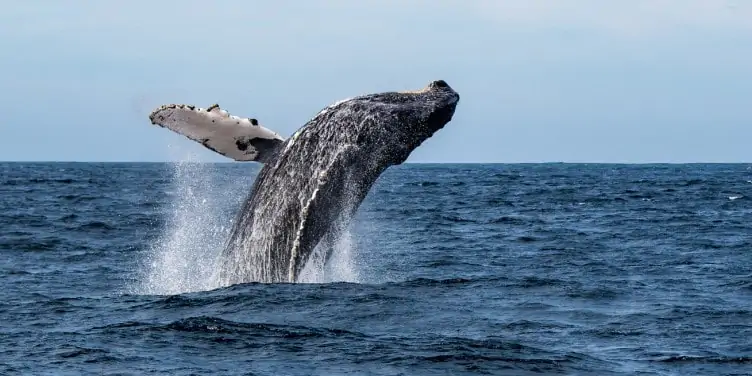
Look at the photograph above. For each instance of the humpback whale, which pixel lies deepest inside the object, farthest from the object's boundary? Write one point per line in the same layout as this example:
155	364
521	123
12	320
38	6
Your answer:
313	182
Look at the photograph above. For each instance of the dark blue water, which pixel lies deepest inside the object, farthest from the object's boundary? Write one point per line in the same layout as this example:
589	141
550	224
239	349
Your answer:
448	269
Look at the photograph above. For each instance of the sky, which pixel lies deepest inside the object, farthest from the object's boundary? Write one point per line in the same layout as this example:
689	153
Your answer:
636	81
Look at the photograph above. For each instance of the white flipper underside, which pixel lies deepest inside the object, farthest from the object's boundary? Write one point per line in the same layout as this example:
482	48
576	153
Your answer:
241	139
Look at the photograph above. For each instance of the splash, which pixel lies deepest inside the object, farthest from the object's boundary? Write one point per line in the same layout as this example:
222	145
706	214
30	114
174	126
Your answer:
186	257
341	266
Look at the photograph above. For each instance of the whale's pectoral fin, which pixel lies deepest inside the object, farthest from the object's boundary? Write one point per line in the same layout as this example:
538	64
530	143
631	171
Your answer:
241	139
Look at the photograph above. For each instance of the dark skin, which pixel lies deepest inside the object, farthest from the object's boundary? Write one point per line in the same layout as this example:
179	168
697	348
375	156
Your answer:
318	178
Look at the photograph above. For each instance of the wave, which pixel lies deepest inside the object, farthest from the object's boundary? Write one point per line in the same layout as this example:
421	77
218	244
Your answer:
717	359
216	325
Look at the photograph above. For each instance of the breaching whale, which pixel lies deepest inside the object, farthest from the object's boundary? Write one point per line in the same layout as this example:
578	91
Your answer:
312	183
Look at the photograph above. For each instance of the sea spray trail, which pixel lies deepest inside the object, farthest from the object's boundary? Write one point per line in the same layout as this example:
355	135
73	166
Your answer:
184	257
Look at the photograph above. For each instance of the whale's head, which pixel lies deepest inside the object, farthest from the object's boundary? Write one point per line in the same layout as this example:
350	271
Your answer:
398	122
426	110
420	112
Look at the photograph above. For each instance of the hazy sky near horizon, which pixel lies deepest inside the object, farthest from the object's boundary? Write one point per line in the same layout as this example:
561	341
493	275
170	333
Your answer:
573	81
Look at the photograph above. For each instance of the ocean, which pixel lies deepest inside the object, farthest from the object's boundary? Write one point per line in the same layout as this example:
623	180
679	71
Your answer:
498	269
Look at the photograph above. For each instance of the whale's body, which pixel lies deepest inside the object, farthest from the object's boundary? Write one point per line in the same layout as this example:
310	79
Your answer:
313	182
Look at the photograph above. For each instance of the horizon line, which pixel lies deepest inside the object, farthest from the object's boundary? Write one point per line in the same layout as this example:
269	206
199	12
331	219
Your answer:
405	163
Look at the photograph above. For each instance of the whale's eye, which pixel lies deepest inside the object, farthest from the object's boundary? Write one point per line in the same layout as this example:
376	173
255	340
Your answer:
440	83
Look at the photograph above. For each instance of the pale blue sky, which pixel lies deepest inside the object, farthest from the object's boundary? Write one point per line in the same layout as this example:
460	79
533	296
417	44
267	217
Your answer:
572	81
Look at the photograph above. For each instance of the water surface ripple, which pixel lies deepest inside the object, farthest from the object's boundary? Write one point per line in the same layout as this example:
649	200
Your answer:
568	269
